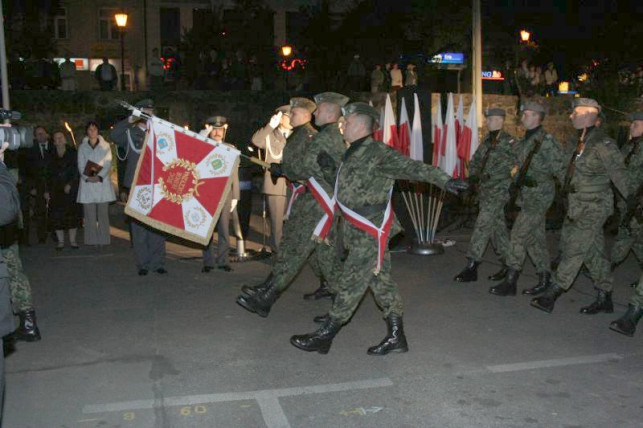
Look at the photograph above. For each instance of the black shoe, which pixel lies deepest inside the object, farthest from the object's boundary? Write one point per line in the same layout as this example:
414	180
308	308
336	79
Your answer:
395	340
544	280
206	269
500	275
252	290
627	323
161	271
28	330
603	303
142	272
508	286
323	292
320	340
547	301
470	273
260	303
320	319
225	268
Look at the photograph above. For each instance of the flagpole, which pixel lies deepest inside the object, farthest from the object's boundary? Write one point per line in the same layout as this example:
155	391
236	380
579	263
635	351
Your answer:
477	58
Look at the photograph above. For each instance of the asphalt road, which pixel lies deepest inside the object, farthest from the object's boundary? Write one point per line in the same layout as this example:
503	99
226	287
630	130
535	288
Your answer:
119	350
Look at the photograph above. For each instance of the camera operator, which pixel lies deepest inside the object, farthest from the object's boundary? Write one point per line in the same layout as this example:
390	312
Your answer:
9	210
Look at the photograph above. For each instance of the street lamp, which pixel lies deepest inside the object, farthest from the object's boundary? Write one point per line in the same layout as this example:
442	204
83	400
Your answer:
121	22
286	51
525	35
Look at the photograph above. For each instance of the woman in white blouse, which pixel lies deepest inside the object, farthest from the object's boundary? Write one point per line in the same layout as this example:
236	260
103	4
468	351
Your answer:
96	190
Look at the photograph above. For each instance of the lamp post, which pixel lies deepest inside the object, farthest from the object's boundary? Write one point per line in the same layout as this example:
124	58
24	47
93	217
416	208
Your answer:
286	51
121	22
524	36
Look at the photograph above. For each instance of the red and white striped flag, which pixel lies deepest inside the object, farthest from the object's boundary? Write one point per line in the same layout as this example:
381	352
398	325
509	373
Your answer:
389	129
378	134
459	127
436	131
468	142
404	131
416	149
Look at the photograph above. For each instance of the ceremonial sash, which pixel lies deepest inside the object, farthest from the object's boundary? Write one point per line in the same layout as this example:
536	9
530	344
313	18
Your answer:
328	205
296	190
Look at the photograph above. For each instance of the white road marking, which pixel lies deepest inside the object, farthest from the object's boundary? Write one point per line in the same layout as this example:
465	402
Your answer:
558	362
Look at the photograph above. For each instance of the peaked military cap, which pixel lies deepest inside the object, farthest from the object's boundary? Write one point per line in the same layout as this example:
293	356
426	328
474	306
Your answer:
217	121
585	102
283	109
495	112
361	108
331	97
304	103
636	116
533	106
145	103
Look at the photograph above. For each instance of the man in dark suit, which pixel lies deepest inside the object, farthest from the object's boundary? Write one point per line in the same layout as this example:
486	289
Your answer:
37	165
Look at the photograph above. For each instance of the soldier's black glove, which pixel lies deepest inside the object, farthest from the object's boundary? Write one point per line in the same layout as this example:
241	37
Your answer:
456	186
275	170
513	189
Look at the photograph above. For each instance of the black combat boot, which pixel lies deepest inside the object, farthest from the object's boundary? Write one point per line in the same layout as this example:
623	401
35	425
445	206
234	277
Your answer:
470	273
260	303
508	286
323	292
252	290
28	330
603	303
544	279
500	275
547	301
627	323
395	340
320	319
320	340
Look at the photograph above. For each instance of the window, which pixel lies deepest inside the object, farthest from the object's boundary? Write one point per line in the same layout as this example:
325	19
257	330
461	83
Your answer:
60	24
108	30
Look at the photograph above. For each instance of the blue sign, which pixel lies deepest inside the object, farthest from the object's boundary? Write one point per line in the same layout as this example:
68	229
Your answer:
448	58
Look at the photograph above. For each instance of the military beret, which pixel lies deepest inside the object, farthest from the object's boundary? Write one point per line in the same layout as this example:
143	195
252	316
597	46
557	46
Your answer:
636	116
495	112
585	102
533	106
331	97
217	121
361	108
283	109
304	103
145	103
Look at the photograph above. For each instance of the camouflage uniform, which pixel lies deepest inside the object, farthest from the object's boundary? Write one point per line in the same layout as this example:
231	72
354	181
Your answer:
299	164
637	298
492	194
632	239
18	281
590	203
536	196
366	176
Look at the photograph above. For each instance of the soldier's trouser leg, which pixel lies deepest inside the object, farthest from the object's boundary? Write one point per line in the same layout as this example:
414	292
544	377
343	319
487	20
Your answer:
528	236
140	244
622	246
276	208
357	275
637	246
223	246
328	263
293	254
208	254
490	224
585	243
637	297
18	281
156	249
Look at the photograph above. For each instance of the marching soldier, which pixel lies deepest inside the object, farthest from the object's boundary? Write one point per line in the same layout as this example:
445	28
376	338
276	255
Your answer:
215	129
272	139
363	191
490	172
129	136
595	163
629	236
627	323
540	159
312	192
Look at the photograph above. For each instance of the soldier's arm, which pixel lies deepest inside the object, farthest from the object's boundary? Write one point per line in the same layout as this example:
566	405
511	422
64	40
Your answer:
118	134
556	156
615	167
259	137
394	165
474	164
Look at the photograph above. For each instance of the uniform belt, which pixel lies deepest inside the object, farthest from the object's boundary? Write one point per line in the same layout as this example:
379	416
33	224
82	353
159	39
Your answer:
368	210
595	188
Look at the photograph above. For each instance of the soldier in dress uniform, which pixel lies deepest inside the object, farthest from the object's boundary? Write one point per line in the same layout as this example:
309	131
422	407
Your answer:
540	160
215	129
272	139
595	164
490	172
129	136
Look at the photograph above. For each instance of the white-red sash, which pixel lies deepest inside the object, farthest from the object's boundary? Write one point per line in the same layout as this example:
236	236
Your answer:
296	190
328	205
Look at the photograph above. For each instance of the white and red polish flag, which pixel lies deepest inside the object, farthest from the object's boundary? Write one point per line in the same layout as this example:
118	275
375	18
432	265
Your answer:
450	161
438	128
389	130
182	181
459	127
404	131
468	142
378	134
416	149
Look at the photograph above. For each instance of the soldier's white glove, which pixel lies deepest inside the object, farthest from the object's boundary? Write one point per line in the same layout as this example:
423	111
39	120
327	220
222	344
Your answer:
233	205
136	115
275	120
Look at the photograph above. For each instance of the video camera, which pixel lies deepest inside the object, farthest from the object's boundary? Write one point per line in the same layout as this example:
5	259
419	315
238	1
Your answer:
16	136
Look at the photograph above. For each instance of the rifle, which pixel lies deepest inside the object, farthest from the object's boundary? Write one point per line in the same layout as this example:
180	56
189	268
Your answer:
515	188
633	209
571	167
